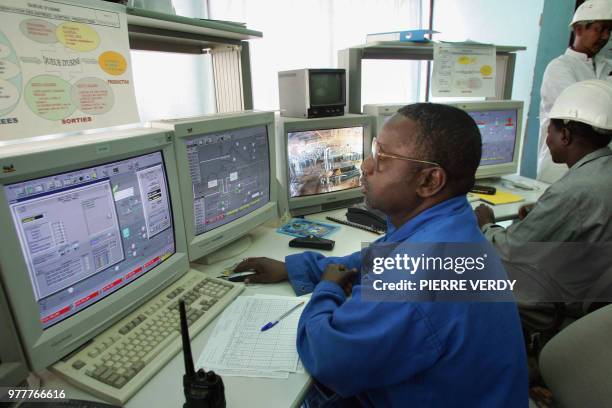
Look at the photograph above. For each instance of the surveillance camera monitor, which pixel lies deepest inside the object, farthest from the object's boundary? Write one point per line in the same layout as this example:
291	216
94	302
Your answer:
227	179
323	160
500	125
92	227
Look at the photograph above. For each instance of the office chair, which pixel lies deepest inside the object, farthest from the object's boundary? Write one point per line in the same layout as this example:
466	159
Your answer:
575	364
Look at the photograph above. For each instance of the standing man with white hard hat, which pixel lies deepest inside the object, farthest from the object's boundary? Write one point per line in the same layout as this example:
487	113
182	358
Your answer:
591	24
574	209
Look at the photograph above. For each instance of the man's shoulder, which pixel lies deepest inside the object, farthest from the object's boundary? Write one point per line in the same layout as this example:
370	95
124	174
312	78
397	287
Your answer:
561	63
585	181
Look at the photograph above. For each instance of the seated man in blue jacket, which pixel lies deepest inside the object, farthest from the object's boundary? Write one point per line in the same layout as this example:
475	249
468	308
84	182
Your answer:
423	354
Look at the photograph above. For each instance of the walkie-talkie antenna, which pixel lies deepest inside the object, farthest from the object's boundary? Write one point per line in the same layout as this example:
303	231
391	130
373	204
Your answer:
202	389
187	356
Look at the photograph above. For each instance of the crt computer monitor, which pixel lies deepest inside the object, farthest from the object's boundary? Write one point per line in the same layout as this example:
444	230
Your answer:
500	125
381	112
321	161
13	366
92	228
227	178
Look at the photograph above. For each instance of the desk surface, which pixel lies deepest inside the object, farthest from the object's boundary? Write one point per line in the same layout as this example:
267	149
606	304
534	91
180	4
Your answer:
510	211
165	389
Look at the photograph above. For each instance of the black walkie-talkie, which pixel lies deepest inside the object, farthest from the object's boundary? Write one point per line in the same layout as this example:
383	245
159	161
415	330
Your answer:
202	389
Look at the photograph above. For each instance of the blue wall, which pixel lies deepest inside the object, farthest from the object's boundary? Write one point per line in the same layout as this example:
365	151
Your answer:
554	37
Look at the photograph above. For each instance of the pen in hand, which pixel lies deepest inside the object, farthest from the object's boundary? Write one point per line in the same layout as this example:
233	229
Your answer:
273	323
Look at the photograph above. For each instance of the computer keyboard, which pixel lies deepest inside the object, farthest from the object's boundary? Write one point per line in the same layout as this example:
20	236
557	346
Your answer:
118	362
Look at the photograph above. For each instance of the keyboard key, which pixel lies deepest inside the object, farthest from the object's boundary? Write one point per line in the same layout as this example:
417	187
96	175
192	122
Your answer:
77	365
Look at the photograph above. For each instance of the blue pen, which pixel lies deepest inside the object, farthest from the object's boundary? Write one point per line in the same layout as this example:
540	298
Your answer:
273	323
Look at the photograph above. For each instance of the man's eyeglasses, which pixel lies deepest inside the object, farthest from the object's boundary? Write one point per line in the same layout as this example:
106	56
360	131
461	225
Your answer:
377	154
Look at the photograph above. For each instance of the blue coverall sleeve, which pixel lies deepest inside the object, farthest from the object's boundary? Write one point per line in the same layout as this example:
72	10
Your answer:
305	269
351	345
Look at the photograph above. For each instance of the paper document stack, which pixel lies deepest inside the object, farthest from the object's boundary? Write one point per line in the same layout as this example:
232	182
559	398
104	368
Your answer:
238	347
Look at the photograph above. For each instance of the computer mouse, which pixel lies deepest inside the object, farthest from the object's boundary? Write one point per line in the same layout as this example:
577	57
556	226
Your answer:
240	276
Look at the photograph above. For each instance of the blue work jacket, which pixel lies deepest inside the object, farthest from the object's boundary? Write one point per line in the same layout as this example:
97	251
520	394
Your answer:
408	354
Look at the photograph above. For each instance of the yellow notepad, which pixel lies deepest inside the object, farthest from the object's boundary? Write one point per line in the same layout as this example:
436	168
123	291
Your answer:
500	197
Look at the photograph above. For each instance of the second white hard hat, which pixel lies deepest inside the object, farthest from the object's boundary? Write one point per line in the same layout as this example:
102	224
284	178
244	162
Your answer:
588	102
593	10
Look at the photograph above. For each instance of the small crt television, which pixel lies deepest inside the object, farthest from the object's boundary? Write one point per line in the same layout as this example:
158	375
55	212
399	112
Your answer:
312	93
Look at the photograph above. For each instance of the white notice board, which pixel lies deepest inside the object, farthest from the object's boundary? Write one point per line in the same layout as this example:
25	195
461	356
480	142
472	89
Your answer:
463	69
64	66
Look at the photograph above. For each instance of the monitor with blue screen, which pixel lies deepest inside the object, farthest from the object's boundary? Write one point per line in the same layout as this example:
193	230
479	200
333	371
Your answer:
500	125
92	227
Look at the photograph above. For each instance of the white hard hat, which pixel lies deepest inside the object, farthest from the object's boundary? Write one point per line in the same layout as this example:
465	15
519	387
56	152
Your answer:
588	102
592	10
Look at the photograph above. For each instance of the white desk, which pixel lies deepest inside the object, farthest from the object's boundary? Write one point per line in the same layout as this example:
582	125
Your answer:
166	390
506	212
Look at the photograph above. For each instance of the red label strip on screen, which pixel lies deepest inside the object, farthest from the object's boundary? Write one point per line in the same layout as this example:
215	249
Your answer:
134	272
86	298
112	284
56	314
152	261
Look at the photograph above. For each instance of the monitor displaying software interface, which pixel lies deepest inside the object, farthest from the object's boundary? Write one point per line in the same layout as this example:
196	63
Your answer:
230	174
498	129
87	233
324	160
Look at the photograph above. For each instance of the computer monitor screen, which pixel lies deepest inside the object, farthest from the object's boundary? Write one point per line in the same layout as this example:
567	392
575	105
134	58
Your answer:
227	177
324	160
498	129
86	233
500	125
326	88
230	175
92	227
321	161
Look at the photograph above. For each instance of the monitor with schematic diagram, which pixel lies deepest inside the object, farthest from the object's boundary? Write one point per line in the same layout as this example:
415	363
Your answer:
500	124
227	178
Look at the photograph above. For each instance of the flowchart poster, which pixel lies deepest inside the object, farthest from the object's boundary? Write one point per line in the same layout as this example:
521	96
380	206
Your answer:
63	67
463	69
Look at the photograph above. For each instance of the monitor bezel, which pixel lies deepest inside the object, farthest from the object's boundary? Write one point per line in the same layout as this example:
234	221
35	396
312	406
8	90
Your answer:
289	125
208	242
45	346
498	170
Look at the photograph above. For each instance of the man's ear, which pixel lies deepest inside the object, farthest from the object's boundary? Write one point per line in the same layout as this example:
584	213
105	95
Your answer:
432	180
566	137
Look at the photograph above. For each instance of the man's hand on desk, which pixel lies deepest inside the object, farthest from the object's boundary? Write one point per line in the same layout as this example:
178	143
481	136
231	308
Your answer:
266	270
484	215
524	210
341	275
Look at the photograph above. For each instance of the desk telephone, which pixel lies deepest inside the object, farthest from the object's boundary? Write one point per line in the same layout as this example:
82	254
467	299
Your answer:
367	216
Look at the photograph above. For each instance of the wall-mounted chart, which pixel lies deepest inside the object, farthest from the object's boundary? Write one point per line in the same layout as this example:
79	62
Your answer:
463	69
63	67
